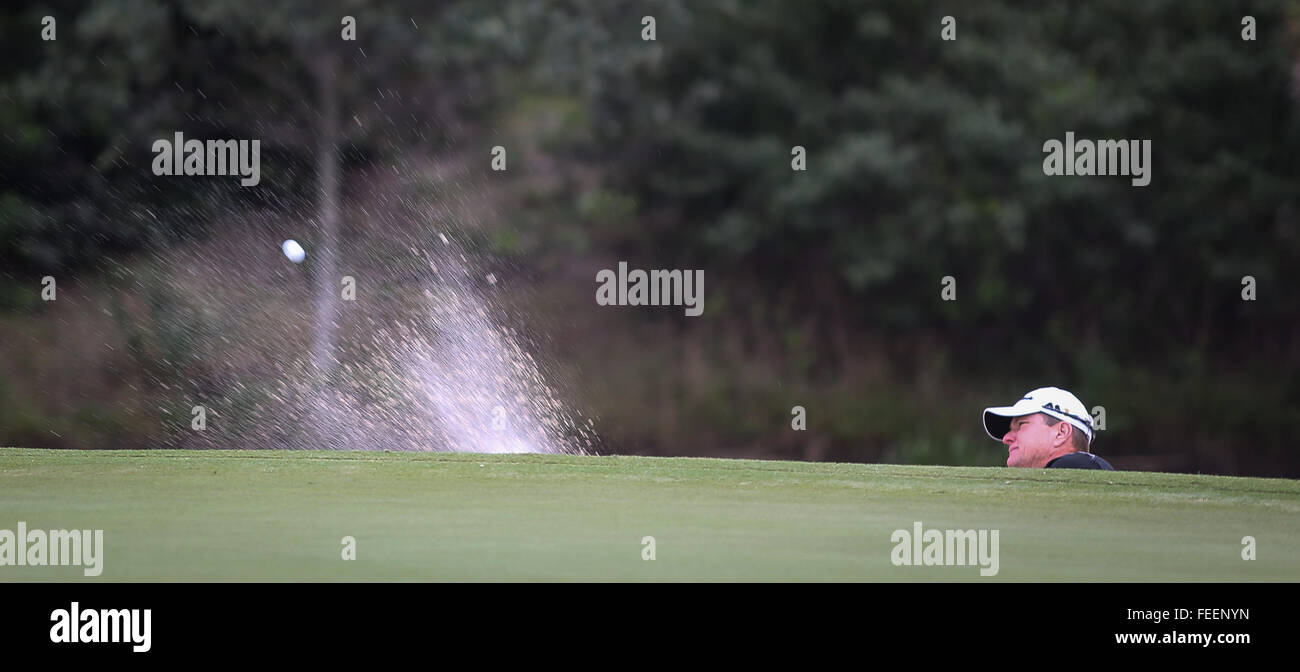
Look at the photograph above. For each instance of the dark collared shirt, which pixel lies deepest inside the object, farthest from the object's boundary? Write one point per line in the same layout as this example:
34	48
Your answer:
1078	460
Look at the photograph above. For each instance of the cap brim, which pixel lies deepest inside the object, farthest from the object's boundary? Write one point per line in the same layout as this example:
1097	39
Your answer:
997	419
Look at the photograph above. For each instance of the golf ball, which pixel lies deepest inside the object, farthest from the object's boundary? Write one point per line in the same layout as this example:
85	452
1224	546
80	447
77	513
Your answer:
294	251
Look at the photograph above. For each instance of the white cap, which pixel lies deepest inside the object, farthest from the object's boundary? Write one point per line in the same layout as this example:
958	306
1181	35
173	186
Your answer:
1053	401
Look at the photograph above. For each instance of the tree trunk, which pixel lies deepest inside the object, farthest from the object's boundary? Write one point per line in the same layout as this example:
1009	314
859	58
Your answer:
327	171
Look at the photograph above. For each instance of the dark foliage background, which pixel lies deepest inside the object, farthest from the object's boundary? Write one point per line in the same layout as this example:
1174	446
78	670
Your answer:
822	286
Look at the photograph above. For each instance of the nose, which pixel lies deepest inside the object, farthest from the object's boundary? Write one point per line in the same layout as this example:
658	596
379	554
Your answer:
1006	438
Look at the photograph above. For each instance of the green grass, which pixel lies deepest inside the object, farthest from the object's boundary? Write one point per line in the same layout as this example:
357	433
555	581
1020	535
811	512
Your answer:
280	516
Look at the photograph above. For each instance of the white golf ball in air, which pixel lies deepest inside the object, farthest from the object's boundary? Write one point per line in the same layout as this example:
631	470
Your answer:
294	251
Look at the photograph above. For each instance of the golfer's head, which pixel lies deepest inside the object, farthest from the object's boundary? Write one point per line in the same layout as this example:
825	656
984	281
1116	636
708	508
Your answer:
1043	425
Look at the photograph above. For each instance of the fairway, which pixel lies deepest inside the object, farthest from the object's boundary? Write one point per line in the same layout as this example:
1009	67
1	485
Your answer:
280	516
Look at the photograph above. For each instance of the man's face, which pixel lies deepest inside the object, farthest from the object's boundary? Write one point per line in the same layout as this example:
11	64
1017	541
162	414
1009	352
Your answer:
1030	442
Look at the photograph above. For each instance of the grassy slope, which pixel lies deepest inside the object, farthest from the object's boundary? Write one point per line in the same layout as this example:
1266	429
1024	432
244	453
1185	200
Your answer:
255	515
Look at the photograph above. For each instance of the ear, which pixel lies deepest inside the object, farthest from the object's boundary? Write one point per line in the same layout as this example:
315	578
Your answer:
1064	434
